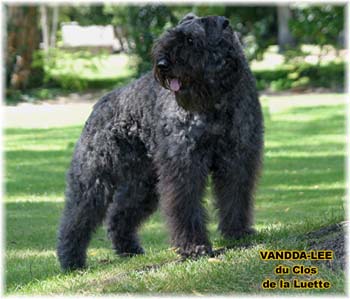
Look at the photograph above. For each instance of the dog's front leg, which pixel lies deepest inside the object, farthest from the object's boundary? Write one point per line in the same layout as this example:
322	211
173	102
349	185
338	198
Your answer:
182	180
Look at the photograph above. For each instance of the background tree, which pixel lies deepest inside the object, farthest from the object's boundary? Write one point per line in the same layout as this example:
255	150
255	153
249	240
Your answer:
320	25
257	25
23	39
285	37
49	23
44	27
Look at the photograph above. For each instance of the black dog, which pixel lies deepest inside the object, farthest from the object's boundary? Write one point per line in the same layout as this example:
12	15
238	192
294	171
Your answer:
157	139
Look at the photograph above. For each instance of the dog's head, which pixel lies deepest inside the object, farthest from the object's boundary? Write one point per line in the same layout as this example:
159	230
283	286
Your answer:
198	60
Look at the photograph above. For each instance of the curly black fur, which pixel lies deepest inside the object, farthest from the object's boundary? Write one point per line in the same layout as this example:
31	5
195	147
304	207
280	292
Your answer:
145	144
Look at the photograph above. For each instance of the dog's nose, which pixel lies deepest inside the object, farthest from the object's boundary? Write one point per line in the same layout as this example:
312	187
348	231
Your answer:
163	64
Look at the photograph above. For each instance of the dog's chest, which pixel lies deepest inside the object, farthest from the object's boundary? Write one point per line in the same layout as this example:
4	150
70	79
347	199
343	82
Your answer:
203	131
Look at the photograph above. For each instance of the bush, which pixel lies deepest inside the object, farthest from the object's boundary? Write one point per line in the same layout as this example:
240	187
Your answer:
66	69
302	76
69	72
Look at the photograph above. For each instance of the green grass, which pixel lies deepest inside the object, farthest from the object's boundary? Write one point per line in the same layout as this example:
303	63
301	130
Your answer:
302	189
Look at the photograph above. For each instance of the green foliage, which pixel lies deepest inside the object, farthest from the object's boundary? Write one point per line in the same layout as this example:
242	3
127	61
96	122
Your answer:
319	25
86	14
141	25
32	95
67	71
257	25
63	68
302	76
79	70
302	188
146	23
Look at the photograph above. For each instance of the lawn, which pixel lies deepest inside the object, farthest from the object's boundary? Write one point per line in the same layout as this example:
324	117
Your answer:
302	189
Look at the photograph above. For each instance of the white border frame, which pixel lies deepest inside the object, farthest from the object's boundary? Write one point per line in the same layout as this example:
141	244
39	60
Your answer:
245	3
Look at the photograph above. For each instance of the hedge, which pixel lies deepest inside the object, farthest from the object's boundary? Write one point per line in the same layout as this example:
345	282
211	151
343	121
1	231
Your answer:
302	76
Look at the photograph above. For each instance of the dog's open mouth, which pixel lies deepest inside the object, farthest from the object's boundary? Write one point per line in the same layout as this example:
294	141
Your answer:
174	84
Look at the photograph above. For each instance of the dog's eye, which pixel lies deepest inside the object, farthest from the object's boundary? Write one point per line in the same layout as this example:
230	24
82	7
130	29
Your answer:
190	40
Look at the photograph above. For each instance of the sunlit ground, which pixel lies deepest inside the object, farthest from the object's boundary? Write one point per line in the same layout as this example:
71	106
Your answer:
302	188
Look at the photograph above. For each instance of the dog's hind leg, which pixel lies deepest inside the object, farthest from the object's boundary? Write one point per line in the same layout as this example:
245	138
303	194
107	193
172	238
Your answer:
135	197
82	214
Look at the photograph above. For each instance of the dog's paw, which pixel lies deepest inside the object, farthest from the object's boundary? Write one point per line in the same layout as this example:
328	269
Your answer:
194	251
73	266
130	251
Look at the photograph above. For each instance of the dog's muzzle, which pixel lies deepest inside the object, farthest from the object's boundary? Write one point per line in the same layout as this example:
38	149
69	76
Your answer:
163	64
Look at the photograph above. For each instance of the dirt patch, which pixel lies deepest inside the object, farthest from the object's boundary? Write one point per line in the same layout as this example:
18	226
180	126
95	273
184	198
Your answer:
331	237
90	97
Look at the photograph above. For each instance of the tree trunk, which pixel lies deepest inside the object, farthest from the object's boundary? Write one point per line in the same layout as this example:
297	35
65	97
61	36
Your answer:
23	38
44	27
285	38
54	26
119	36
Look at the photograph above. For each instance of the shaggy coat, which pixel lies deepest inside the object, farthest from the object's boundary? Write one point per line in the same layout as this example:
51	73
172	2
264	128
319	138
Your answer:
157	140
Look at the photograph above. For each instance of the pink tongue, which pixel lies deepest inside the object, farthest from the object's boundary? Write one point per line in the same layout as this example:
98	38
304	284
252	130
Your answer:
174	84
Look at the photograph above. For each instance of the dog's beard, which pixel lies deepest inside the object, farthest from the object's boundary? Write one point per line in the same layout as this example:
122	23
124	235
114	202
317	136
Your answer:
195	99
190	93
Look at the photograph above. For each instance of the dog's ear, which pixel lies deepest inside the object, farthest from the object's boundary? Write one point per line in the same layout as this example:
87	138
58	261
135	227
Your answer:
188	17
223	22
